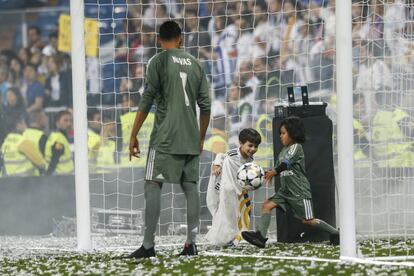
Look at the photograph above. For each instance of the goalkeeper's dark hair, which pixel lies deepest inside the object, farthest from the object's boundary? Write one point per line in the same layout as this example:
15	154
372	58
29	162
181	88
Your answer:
295	128
169	30
251	135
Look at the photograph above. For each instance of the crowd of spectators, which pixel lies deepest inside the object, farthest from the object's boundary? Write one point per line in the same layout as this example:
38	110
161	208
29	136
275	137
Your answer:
251	51
34	78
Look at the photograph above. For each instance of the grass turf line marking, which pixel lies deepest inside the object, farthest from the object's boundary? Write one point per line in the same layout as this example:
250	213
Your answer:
375	262
215	253
315	259
390	258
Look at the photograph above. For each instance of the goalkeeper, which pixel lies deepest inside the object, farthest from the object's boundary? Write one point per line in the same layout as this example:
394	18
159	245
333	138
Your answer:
175	82
295	192
227	201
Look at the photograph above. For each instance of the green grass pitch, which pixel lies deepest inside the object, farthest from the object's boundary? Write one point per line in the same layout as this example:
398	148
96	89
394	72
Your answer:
22	256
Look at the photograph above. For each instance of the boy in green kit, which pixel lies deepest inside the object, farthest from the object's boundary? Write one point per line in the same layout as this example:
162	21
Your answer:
295	192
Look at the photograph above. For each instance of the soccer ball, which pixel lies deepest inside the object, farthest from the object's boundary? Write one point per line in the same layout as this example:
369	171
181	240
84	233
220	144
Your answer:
250	176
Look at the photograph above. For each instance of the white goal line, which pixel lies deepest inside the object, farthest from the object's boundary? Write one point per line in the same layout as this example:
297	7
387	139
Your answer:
391	258
375	261
314	259
217	254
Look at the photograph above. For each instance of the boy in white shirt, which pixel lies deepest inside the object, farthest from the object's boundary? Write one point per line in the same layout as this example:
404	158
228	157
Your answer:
227	201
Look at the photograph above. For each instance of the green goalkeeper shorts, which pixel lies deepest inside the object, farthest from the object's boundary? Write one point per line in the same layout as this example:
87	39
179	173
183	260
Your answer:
301	207
171	168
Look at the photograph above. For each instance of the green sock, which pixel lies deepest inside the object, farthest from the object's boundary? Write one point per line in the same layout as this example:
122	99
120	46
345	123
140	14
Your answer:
264	224
190	190
152	193
320	224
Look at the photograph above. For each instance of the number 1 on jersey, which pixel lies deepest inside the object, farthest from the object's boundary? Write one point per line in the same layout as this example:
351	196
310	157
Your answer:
183	77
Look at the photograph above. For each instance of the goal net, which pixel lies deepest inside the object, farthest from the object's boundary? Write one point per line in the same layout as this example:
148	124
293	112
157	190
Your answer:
127	40
383	108
252	51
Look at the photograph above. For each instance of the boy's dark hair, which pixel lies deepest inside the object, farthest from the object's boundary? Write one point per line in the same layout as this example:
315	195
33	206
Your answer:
251	135
295	128
169	30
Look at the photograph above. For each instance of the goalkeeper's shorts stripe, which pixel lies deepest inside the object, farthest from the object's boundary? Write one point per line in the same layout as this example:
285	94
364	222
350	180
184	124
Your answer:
150	164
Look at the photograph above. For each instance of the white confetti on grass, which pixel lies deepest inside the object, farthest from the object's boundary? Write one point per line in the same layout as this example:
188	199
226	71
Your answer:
58	256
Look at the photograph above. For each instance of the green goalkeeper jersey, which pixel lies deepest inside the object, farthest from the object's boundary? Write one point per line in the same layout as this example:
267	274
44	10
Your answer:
293	180
175	83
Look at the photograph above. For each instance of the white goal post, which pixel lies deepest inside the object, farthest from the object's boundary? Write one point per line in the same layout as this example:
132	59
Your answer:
345	130
80	126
